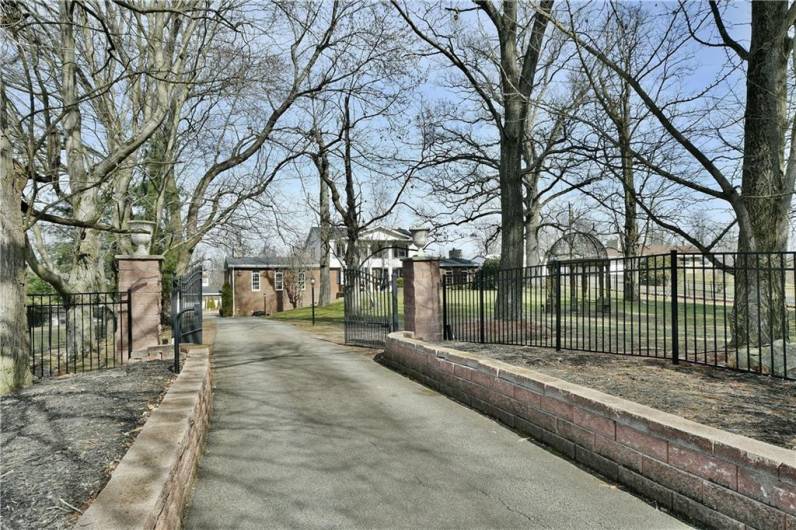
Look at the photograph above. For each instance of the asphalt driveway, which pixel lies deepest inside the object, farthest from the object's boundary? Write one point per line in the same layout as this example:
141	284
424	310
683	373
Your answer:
306	433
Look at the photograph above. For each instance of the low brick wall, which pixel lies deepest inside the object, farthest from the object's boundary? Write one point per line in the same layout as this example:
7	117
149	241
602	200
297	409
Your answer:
149	487
703	474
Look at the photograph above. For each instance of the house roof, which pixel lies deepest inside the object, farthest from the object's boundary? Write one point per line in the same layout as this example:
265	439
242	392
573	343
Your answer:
457	263
656	249
215	281
263	262
339	232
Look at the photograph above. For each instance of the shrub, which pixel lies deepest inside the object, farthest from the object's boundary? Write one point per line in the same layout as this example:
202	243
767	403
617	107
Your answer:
226	300
487	274
399	283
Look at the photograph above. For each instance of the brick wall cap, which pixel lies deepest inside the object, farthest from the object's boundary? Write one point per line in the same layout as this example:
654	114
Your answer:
148	257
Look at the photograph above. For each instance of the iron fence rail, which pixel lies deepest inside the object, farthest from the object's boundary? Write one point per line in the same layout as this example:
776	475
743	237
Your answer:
78	332
729	310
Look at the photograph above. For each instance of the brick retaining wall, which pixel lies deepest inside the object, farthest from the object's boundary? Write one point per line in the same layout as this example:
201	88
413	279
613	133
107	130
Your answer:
149	487
703	474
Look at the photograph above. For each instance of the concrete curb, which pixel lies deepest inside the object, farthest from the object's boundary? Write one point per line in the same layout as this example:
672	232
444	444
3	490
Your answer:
713	477
149	487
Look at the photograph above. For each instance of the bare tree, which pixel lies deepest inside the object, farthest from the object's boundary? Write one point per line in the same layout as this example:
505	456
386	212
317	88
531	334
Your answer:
64	63
520	46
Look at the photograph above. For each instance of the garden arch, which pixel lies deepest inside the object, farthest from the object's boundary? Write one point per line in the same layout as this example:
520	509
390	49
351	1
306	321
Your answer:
583	260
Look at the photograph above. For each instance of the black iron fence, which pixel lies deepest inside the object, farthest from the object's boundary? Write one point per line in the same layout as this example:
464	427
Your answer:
186	310
78	332
730	310
370	307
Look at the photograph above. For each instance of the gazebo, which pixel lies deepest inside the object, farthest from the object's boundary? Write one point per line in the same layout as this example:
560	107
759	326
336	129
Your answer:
583	259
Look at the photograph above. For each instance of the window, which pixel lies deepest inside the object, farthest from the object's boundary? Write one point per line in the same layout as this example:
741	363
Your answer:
255	281
401	252
205	279
279	281
301	281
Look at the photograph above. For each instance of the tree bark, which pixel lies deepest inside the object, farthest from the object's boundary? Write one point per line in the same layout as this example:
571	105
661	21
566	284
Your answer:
532	221
630	236
516	82
14	359
321	161
766	189
325	232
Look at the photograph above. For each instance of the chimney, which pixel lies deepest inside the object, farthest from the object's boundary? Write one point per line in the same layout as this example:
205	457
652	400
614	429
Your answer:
455	253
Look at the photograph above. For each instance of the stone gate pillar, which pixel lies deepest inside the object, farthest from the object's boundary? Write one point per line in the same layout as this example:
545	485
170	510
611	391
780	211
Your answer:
141	275
422	306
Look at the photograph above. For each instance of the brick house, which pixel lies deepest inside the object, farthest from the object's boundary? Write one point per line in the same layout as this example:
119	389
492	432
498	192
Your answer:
266	285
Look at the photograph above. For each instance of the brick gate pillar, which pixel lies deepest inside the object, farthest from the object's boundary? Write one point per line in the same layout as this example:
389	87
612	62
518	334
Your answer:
141	275
422	307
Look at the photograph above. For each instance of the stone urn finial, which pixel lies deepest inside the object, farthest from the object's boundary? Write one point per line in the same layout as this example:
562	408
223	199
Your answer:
141	236
420	239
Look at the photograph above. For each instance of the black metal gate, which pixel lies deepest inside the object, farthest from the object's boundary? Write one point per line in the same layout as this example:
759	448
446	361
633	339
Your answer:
371	307
186	310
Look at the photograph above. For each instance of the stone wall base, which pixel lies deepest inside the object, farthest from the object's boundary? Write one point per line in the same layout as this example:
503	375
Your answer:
706	475
151	484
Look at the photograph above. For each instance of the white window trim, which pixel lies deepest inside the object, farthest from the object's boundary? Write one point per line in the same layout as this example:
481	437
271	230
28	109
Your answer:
302	281
259	279
279	281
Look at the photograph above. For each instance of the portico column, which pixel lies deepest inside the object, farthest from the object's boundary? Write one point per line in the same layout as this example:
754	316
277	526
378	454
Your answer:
141	276
422	306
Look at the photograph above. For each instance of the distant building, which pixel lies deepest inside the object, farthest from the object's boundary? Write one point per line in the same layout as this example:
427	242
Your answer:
267	285
381	249
212	281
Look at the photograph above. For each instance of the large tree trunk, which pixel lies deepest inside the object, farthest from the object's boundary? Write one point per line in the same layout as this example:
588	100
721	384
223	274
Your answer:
325	230
766	189
516	82
509	292
630	236
14	361
532	221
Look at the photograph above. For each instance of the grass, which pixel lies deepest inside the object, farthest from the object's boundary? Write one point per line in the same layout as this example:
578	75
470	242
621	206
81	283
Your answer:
640	326
328	314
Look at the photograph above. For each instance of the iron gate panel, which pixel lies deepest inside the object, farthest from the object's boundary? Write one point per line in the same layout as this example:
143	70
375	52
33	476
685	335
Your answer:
370	307
186	310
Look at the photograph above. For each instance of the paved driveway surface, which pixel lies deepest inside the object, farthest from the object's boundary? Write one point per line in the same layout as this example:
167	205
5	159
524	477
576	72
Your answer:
310	434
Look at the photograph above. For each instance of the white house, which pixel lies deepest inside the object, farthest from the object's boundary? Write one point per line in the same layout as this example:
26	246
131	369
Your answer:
381	249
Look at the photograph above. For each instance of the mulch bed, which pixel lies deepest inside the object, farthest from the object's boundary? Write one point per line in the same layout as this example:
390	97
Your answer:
756	406
61	438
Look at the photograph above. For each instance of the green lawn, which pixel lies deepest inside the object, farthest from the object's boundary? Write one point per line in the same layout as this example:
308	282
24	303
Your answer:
333	313
330	314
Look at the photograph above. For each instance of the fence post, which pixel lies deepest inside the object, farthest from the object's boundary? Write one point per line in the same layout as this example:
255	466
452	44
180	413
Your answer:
557	280
394	295
129	323
675	333
481	306
176	330
445	334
